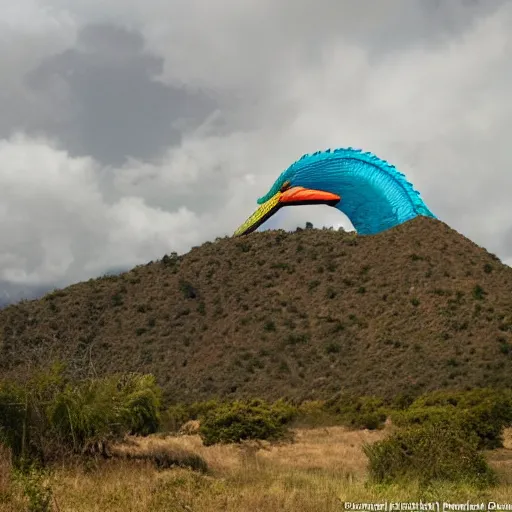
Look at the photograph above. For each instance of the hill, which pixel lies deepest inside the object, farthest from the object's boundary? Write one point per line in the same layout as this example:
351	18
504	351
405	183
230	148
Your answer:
301	314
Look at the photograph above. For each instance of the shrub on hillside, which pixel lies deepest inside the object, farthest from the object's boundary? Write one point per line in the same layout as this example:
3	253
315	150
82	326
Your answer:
423	415
357	412
198	410
464	399
175	416
312	413
483	412
427	453
232	423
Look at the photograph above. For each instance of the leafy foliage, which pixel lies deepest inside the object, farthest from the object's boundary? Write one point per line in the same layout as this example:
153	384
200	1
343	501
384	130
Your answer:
48	416
99	410
178	414
428	453
357	412
35	485
484	412
256	419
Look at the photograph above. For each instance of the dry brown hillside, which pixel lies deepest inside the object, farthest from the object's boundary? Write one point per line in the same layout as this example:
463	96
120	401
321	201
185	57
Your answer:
274	314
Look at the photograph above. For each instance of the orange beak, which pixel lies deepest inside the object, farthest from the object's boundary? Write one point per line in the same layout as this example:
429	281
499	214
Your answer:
300	195
293	196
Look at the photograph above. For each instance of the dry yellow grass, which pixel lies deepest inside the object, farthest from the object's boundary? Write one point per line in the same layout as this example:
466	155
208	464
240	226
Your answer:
318	472
326	449
5	469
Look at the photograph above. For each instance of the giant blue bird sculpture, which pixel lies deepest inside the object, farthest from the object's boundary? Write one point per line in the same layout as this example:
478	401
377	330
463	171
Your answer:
372	193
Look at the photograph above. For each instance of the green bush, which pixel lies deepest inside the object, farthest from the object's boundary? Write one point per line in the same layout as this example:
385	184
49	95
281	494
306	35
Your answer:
13	405
141	401
178	414
370	420
488	422
199	410
484	412
47	416
232	423
174	417
35	486
312	413
428	453
357	412
99	410
23	419
422	415
464	399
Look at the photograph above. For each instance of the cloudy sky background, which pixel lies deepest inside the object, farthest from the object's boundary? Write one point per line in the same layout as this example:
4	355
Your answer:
133	128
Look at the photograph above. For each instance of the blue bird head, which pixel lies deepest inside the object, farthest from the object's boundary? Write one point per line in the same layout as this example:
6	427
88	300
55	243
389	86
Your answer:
372	193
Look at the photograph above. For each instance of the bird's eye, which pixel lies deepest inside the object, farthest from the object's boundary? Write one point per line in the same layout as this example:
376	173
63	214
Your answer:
285	186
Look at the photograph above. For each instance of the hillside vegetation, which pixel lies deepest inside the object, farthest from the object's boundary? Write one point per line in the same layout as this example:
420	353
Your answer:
301	315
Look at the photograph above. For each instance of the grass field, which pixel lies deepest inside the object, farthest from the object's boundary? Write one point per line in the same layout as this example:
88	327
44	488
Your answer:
321	470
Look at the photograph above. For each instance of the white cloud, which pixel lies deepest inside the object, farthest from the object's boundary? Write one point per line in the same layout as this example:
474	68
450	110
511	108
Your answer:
56	225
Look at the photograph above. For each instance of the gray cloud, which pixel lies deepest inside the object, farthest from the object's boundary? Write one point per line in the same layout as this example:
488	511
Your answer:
106	101
139	128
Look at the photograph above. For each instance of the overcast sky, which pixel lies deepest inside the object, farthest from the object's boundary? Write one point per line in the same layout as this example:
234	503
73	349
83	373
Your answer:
133	128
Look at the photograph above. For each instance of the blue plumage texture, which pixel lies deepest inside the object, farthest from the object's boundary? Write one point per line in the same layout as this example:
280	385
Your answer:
375	196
